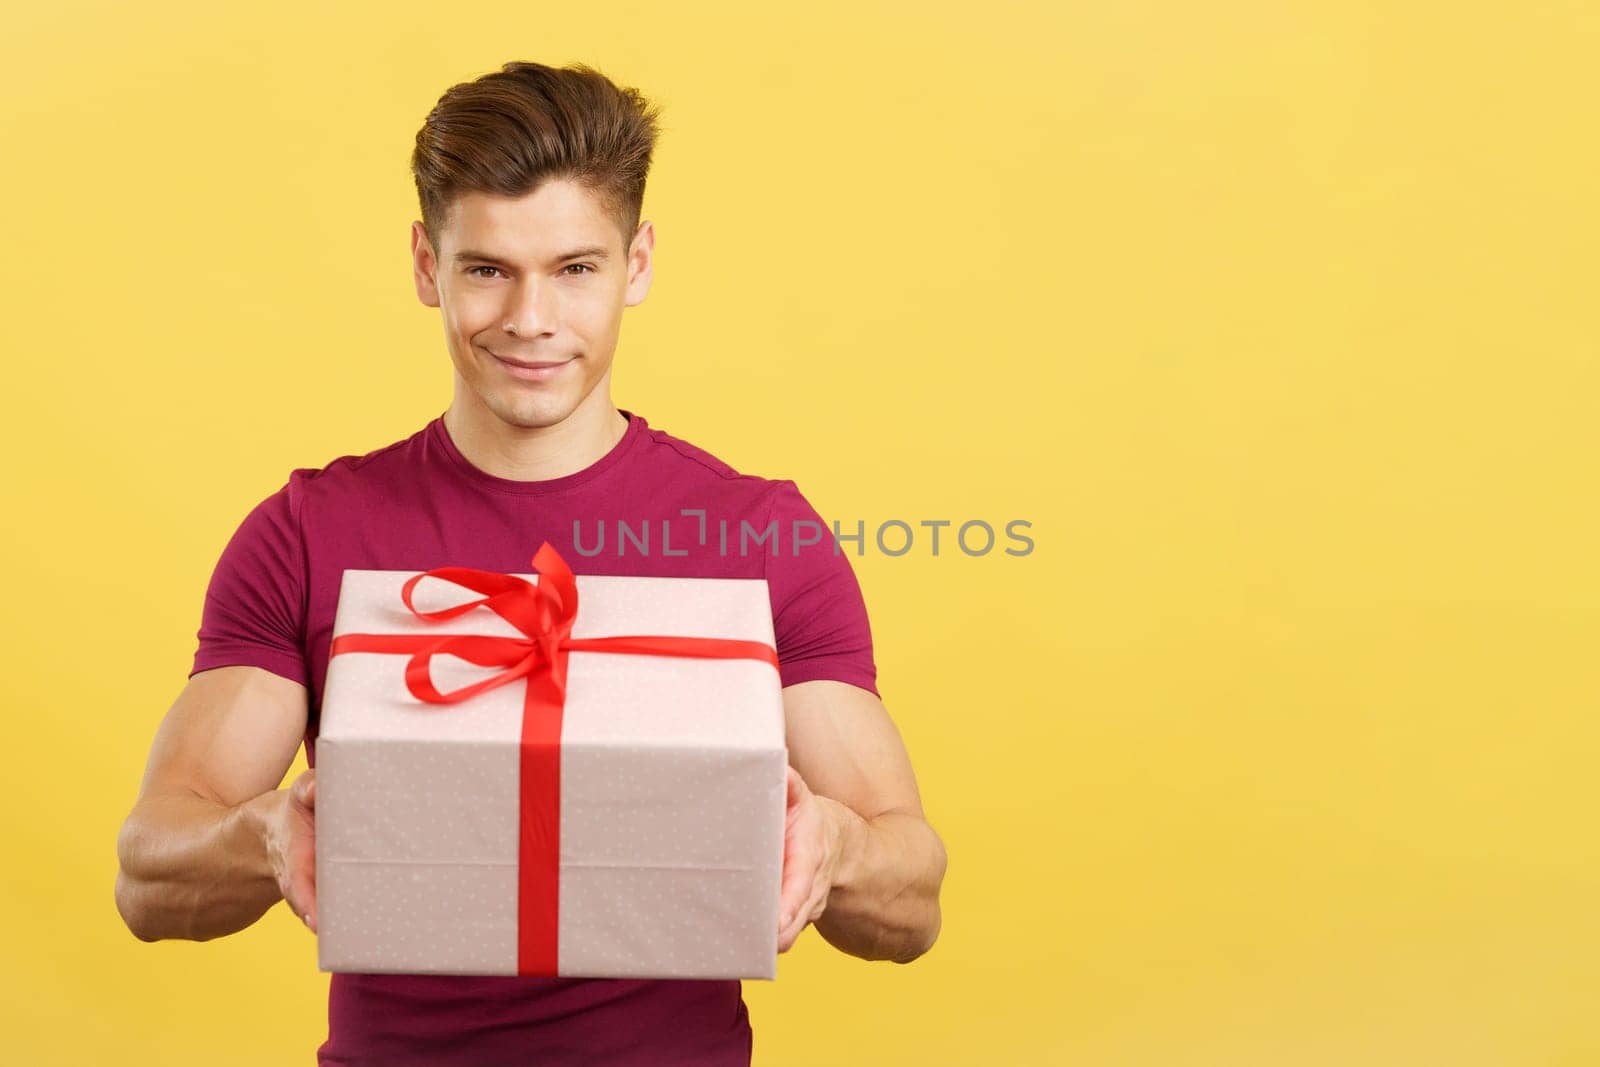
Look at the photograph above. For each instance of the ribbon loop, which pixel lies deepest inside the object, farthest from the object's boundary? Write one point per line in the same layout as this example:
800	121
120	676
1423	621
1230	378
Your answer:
543	612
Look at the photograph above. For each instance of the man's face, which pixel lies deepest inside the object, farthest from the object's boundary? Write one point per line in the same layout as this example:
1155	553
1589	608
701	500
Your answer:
541	278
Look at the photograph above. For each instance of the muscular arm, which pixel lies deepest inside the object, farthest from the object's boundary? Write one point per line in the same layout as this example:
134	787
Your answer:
200	852
884	899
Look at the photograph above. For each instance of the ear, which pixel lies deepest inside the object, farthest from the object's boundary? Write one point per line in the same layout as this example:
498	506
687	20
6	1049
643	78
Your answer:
641	259
424	266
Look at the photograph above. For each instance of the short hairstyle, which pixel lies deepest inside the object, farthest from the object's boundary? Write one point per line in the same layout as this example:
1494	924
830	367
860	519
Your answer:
507	132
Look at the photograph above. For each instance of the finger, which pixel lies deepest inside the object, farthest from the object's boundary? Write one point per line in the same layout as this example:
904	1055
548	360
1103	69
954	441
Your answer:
788	904
796	902
799	870
307	908
302	895
299	790
311	789
786	936
790	931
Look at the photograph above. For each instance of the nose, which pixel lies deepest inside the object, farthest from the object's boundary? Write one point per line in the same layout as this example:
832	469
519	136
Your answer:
531	307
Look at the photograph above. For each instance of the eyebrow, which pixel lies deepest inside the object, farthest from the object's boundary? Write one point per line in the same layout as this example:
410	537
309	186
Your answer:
593	252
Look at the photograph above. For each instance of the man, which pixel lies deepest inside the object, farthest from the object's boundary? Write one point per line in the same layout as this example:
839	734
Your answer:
531	181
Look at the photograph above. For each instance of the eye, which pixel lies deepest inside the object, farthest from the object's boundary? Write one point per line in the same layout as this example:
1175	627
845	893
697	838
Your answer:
473	271
583	266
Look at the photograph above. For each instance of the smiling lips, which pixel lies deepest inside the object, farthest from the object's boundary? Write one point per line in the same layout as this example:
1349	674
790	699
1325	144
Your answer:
531	371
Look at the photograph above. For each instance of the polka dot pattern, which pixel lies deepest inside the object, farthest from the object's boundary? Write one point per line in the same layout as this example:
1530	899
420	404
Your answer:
672	793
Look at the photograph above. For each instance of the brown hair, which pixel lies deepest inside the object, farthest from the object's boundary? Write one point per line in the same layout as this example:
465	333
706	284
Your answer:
509	131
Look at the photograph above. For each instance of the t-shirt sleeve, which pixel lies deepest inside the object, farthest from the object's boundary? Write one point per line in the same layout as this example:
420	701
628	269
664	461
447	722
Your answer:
255	605
818	614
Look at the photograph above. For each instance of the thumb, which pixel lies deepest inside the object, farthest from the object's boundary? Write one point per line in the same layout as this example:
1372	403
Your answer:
304	790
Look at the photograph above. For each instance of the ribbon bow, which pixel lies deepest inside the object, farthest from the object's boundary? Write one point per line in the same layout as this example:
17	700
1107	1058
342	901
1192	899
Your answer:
543	612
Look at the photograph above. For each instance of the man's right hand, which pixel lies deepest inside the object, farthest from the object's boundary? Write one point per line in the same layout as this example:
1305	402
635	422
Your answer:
213	841
291	840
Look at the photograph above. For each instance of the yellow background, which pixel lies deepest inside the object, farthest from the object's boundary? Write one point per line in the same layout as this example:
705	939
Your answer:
1275	320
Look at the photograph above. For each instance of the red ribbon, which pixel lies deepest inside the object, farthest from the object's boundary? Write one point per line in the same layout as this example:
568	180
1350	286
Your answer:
544	612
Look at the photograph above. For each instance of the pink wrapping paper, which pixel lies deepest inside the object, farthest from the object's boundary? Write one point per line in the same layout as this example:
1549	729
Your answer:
672	791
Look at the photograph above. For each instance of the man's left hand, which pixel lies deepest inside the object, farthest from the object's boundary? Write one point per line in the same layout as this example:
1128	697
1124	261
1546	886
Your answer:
810	859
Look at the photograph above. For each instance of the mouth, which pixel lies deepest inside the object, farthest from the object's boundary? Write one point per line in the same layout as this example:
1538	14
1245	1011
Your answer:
532	371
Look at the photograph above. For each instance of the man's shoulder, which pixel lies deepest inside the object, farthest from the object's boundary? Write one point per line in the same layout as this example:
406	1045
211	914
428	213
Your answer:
381	467
699	468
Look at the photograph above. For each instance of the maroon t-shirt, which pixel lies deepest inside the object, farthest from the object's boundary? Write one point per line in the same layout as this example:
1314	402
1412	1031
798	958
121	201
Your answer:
654	505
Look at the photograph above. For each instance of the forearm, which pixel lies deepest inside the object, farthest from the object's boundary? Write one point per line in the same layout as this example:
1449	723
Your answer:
194	869
884	904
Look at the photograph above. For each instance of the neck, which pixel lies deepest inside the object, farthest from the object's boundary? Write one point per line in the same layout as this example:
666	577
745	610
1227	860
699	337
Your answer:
535	453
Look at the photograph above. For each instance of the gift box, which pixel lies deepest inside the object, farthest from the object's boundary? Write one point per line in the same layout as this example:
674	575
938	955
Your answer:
567	775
